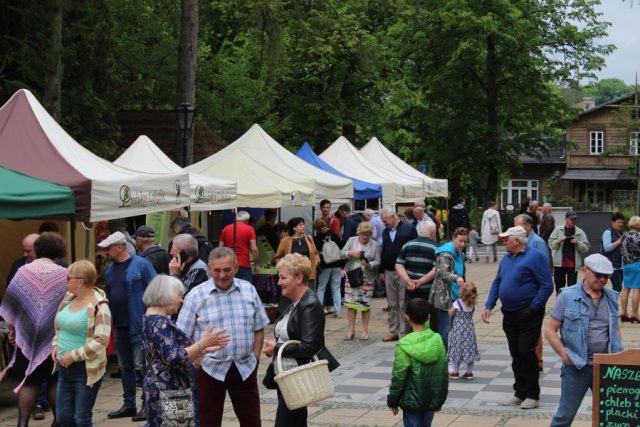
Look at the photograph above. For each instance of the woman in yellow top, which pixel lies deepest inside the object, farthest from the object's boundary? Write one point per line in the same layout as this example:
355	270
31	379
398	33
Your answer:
297	242
82	326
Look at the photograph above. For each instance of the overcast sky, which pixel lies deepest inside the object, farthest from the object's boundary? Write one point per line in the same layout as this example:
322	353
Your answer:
624	32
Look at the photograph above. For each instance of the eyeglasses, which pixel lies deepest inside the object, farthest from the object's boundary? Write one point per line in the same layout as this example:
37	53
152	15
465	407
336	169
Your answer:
601	276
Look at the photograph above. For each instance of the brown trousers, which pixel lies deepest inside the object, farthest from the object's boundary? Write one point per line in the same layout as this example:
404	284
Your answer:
244	395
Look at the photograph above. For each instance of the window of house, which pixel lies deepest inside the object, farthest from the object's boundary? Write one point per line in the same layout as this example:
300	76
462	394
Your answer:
595	192
596	142
634	138
517	190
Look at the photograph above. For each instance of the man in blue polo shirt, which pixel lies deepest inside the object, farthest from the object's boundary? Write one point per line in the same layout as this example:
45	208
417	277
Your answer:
523	284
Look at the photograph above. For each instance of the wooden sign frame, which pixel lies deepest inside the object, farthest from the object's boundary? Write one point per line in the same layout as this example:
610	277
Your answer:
627	357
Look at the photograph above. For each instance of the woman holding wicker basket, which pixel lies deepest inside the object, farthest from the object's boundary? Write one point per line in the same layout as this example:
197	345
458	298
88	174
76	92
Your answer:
303	321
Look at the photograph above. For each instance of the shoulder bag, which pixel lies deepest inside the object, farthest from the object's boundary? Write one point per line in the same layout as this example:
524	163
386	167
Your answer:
330	251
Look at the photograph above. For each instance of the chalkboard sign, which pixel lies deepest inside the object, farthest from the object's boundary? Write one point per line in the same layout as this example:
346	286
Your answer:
616	389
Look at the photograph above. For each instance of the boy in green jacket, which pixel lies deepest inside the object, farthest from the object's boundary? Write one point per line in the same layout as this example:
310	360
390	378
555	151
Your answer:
420	378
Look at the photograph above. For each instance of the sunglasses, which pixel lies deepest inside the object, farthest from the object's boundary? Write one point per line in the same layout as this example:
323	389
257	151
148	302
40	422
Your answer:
601	276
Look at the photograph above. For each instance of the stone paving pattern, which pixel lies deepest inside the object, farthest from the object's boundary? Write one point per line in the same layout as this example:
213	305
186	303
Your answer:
363	379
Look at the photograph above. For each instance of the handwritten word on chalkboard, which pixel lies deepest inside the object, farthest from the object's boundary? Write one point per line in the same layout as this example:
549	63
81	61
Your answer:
616	393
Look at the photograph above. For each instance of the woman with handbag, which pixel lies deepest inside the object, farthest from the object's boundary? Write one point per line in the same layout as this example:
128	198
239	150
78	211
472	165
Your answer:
297	242
490	228
363	259
170	353
330	265
303	321
83	327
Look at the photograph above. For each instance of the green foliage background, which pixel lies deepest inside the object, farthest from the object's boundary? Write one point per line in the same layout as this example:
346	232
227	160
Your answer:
464	86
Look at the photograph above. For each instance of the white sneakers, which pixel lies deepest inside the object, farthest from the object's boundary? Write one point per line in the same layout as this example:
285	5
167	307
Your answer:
512	401
524	404
529	404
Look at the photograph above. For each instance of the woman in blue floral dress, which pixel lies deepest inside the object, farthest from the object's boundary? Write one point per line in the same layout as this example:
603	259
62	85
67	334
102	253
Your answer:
169	352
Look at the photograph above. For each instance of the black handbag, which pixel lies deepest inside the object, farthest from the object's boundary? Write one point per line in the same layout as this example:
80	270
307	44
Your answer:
269	381
355	277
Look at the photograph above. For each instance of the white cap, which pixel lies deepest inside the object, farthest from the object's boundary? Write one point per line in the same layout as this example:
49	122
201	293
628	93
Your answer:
514	231
598	264
116	238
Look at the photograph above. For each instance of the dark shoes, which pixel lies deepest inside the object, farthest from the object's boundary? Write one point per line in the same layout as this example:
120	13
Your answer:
140	416
38	412
389	338
123	413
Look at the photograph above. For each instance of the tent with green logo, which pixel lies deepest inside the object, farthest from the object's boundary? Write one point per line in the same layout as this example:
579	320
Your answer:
23	196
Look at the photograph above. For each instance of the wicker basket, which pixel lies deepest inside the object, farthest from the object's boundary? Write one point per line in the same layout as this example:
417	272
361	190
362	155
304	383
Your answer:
303	385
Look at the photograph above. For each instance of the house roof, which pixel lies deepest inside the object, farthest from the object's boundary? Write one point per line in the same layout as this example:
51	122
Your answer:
556	157
611	103
597	175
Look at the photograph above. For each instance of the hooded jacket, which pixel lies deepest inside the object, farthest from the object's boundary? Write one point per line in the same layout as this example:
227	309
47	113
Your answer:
420	379
449	266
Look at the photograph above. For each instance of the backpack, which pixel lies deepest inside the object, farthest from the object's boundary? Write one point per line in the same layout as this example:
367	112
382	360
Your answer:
330	251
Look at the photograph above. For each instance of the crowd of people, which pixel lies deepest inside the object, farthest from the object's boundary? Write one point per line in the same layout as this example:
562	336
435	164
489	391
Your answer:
190	320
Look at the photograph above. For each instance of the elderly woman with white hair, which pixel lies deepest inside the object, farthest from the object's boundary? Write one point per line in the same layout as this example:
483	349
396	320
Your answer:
169	352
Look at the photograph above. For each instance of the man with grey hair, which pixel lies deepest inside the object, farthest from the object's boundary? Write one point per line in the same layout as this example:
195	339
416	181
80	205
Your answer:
148	249
394	237
241	237
523	284
182	225
233	305
414	264
185	264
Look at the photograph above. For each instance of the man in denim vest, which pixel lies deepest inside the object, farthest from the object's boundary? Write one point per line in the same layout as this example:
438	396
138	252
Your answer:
586	314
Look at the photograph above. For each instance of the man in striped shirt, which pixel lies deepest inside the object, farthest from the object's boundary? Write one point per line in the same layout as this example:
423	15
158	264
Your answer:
414	264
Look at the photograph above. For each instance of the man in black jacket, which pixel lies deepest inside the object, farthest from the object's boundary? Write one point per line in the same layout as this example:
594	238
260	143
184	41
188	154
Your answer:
149	249
458	216
185	264
350	222
394	236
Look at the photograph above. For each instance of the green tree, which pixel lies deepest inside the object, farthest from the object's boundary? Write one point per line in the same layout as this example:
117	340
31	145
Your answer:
484	68
607	89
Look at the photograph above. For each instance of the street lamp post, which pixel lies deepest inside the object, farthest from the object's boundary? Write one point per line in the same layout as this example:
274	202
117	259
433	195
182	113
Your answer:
185	113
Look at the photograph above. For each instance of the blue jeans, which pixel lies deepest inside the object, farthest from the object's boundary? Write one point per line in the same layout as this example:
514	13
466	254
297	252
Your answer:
417	419
74	399
245	273
131	360
330	276
444	326
575	383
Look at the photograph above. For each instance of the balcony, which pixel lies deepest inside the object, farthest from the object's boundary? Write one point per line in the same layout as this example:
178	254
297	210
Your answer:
595	162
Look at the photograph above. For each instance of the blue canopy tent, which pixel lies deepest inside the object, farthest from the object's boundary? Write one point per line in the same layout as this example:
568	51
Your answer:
361	190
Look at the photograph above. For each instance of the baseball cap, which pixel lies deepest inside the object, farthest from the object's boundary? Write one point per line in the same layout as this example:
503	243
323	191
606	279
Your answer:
116	238
571	214
598	264
145	231
514	231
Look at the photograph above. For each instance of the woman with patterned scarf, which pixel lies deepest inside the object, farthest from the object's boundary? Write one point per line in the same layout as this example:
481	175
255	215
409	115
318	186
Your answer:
29	306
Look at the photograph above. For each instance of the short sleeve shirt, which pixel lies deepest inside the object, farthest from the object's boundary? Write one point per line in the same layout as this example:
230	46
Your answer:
244	235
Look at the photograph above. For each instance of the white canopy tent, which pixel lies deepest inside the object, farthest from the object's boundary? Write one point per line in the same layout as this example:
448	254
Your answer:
346	158
32	142
261	147
381	156
205	193
258	186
